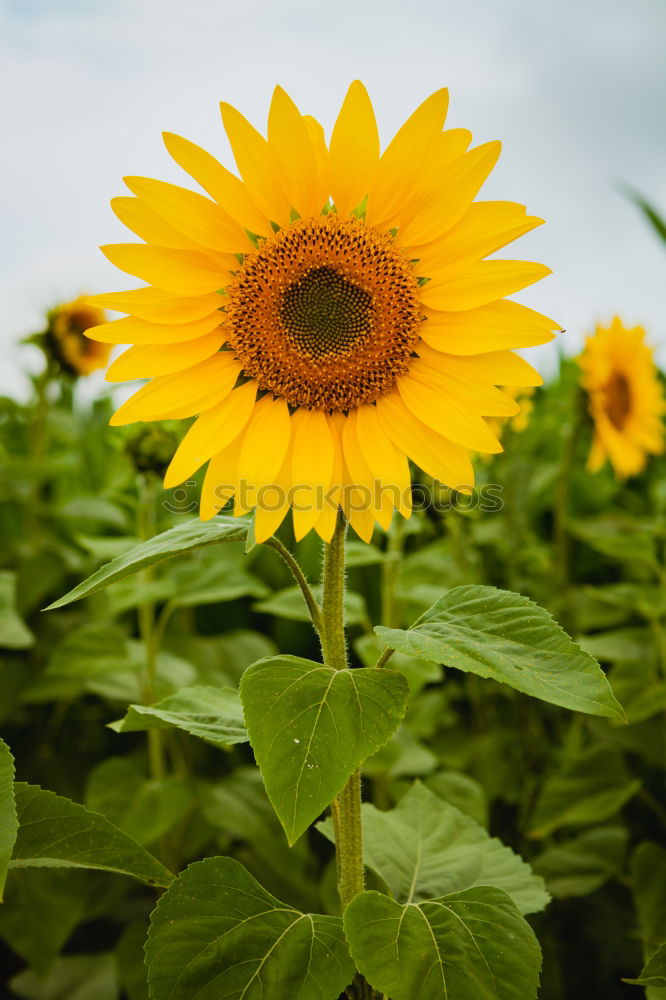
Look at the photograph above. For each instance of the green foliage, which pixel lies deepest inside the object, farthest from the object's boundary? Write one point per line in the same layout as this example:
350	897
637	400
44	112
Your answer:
8	820
217	928
56	833
509	638
183	538
470	943
311	726
130	702
426	848
212	714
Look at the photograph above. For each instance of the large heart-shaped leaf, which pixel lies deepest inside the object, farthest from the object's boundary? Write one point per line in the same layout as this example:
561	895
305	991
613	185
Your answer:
185	537
471	944
217	933
498	634
8	821
426	848
57	833
212	714
311	726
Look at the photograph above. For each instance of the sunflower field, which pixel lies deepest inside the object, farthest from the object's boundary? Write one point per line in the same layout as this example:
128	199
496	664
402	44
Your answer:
334	647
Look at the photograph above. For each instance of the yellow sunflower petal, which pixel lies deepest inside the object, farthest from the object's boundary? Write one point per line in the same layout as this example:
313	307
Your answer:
172	397
256	164
138	331
213	430
318	140
155	306
492	327
366	494
325	524
274	508
434	454
148	225
477	284
388	464
402	158
482	398
448	146
150	360
183	272
312	460
486	227
458	185
219	482
495	367
290	140
227	189
354	150
192	214
264	446
447	415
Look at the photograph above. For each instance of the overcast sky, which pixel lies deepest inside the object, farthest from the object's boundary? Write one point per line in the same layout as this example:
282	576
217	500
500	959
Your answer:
576	91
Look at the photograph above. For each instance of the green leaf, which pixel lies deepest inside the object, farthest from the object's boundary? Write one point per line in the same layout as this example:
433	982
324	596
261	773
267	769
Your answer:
471	944
620	538
212	714
183	538
217	932
426	848
494	633
650	212
57	833
8	820
144	808
311	726
73	977
14	634
648	872
579	866
63	898
589	789
461	791
654	970
132	972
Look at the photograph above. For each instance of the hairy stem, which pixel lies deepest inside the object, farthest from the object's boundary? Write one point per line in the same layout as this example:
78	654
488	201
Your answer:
299	576
346	807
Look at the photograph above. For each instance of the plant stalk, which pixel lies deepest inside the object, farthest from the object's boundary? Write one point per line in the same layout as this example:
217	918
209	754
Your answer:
346	807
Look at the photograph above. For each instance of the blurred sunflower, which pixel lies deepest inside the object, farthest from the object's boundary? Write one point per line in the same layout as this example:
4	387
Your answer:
625	398
328	313
66	341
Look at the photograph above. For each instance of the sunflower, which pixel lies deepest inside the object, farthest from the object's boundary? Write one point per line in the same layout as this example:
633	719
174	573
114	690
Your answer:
625	398
67	341
524	397
327	312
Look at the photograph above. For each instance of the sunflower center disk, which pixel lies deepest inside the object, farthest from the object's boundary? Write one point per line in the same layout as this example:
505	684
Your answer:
618	395
324	314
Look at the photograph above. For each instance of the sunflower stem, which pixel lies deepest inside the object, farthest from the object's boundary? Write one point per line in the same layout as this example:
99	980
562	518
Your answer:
313	608
346	807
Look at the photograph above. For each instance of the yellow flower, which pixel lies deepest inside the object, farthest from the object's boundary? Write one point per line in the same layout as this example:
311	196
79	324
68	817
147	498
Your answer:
625	398
328	313
518	423
66	340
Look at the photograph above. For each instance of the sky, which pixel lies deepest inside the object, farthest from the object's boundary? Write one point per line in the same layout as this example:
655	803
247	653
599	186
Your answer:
575	89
